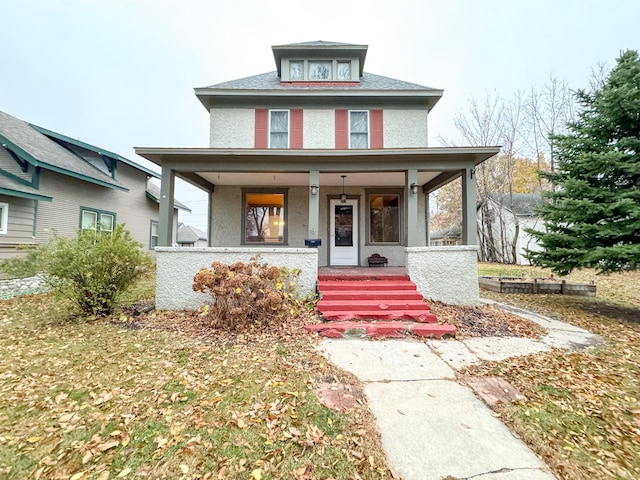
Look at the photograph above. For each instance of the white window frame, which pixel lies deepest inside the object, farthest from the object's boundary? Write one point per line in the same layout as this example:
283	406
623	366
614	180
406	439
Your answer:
98	214
154	223
4	218
368	127
288	126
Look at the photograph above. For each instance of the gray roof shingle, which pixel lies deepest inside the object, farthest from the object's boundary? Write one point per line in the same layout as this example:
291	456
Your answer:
271	81
153	191
189	234
48	153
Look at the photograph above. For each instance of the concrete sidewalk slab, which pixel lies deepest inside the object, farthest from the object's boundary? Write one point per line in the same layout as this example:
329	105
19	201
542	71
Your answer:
431	427
384	360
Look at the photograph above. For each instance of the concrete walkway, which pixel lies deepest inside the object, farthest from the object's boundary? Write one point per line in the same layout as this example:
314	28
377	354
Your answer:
432	427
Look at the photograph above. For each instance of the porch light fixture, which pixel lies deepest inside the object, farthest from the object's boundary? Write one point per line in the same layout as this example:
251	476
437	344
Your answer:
343	196
414	188
314	189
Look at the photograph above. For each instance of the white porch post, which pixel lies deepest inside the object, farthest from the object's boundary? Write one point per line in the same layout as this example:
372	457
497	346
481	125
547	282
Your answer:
469	228
210	219
427	216
165	228
314	204
411	203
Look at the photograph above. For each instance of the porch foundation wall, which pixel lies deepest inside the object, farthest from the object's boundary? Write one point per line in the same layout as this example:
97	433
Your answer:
176	268
445	274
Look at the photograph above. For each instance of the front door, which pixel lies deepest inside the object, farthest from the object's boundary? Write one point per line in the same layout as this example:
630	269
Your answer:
344	233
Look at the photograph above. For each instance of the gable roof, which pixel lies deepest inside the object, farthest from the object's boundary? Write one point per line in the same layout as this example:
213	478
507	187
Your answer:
153	192
38	150
189	234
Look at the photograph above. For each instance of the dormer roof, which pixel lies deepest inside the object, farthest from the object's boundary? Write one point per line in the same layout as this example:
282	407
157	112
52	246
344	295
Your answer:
319	48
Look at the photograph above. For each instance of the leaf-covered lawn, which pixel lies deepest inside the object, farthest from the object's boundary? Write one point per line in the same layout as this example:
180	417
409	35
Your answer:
582	412
160	396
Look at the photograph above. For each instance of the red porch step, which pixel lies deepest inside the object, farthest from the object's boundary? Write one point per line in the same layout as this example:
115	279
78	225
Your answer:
374	305
392	329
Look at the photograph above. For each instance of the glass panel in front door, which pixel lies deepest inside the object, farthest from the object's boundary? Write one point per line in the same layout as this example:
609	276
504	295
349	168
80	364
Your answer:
344	225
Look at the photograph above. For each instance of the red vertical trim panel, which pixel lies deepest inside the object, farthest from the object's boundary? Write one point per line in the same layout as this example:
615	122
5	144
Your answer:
295	123
342	129
262	128
376	125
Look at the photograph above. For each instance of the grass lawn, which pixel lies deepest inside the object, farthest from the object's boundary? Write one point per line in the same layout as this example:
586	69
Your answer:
162	396
582	410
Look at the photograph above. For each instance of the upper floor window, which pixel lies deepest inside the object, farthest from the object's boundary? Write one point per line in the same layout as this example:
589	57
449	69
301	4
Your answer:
296	70
320	71
359	129
344	70
279	129
97	220
4	218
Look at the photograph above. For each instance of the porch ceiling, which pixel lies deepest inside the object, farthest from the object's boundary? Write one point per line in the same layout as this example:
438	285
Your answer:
280	179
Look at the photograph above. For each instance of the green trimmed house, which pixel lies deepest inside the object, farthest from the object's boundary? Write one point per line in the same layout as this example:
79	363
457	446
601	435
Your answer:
320	164
52	183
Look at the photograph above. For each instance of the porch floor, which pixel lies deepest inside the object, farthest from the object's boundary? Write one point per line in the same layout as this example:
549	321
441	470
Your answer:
363	273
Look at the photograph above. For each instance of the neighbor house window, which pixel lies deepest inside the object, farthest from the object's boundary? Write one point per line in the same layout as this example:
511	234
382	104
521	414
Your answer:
358	129
296	70
265	217
4	218
279	129
384	218
153	235
320	71
97	220
344	70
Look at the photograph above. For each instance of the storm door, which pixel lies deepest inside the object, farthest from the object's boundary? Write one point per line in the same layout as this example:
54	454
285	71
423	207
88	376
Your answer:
343	233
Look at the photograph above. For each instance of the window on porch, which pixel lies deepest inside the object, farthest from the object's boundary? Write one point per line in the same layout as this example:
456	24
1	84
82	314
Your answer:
265	217
384	217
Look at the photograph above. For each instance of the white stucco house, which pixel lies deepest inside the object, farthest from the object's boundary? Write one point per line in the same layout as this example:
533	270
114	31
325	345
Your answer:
320	164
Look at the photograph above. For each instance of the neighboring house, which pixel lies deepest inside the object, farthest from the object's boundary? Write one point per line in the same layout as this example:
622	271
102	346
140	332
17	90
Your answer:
504	219
319	153
451	235
51	183
189	236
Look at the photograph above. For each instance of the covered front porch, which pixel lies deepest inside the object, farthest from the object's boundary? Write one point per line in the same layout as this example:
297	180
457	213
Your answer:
337	206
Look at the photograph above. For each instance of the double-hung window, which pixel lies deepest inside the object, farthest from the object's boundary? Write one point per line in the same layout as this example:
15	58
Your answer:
359	129
279	129
4	218
265	216
97	220
153	234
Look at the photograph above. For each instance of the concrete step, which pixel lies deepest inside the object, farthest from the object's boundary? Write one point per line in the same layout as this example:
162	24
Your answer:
422	316
334	295
387	329
371	305
326	285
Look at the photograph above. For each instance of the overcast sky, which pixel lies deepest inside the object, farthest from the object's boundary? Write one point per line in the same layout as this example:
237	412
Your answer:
121	73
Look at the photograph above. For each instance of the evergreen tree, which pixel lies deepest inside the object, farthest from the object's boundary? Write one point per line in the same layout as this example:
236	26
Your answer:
593	217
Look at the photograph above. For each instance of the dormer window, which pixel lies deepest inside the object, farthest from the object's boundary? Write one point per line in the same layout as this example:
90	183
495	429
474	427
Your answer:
320	71
344	70
296	70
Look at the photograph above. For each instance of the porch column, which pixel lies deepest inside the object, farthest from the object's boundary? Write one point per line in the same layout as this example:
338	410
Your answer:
427	215
167	185
210	219
411	203
469	227
314	204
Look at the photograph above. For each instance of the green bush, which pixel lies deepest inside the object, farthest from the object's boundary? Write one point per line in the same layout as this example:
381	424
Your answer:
249	295
92	270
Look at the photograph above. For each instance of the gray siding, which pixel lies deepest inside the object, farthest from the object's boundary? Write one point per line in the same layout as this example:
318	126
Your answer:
62	215
8	164
19	225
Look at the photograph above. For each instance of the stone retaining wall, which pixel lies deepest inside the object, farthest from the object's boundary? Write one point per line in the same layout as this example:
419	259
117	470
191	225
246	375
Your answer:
21	286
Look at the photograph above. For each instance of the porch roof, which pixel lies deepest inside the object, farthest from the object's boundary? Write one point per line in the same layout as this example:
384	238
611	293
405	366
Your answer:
206	167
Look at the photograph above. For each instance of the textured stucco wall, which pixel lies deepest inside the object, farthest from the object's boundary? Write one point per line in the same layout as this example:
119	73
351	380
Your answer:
319	126
176	268
445	274
232	128
405	128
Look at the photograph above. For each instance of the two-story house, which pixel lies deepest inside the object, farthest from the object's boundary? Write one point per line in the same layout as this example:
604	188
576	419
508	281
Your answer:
51	183
319	163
